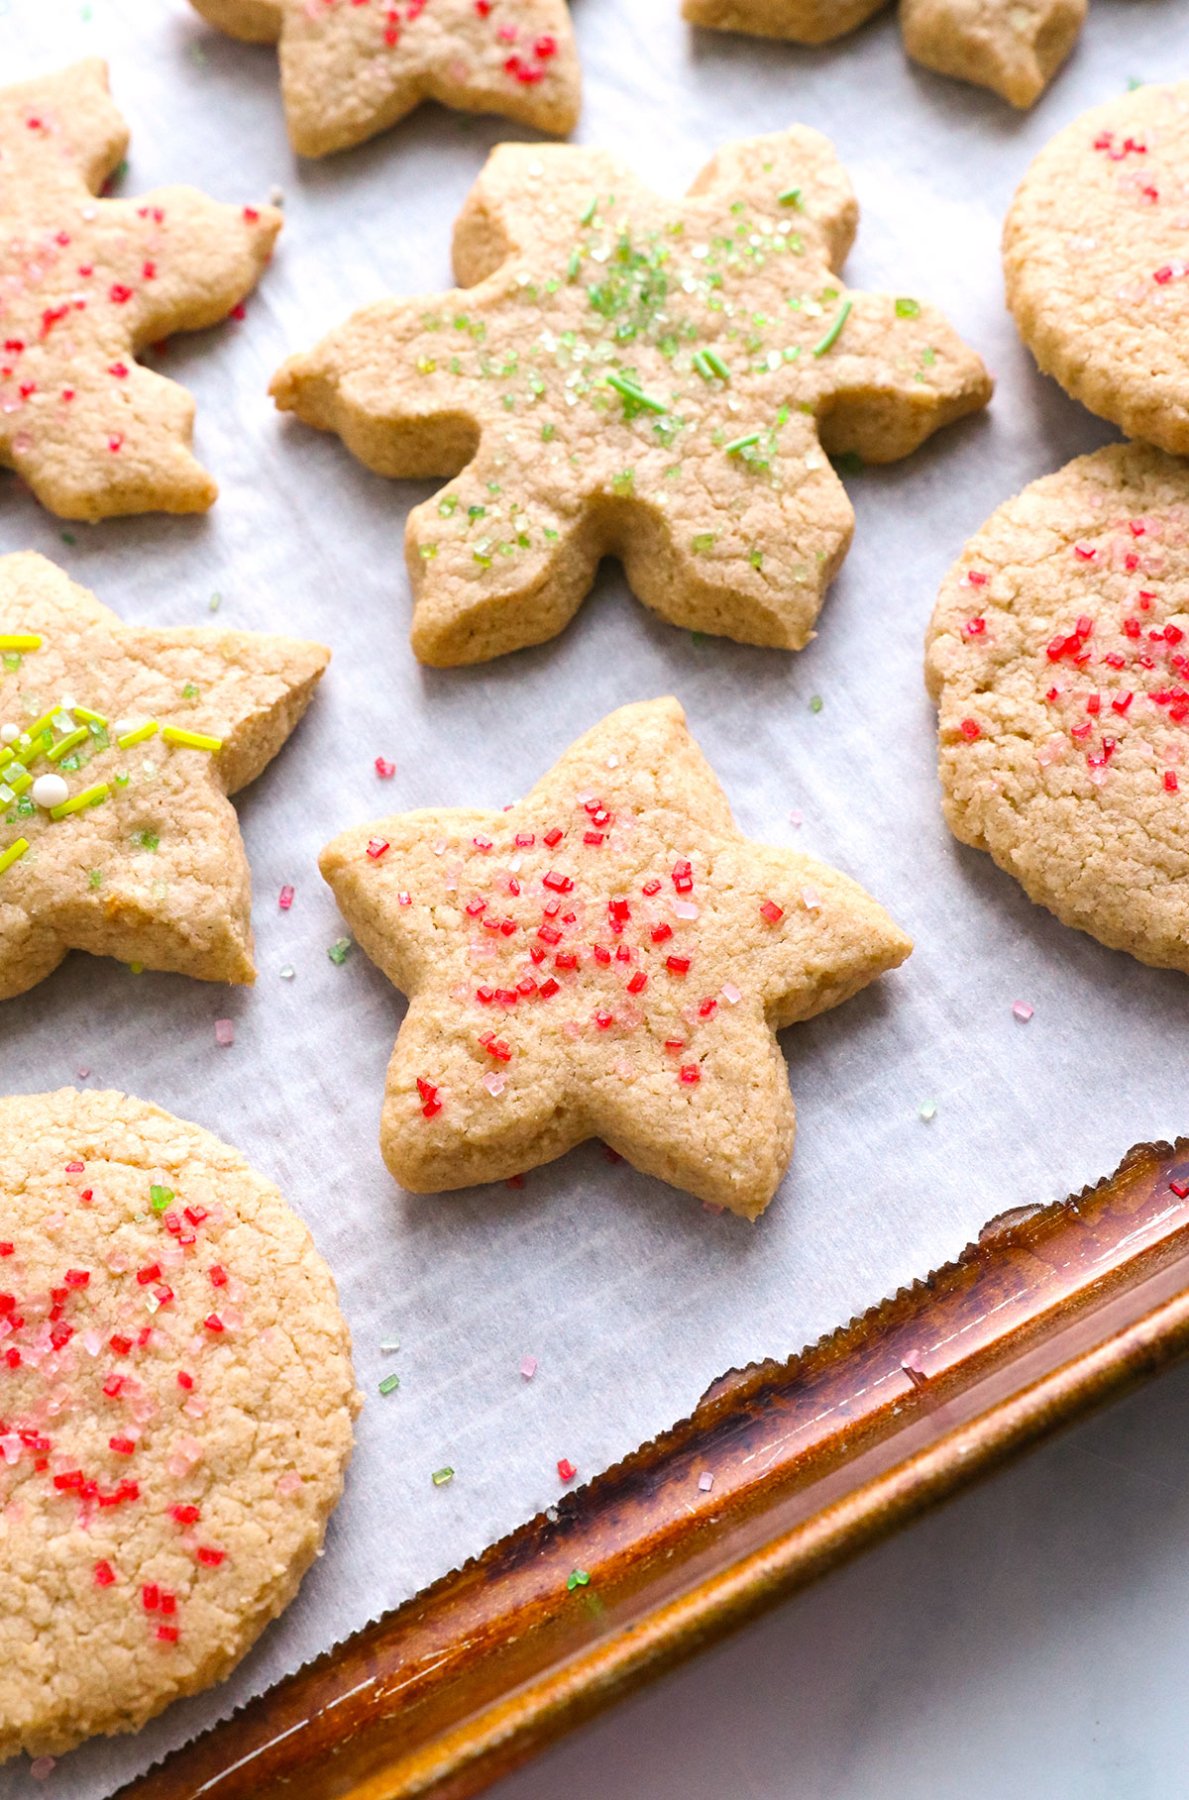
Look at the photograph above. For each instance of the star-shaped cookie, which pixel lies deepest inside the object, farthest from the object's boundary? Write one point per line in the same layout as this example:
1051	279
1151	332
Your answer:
610	958
118	747
1013	47
85	283
352	68
626	375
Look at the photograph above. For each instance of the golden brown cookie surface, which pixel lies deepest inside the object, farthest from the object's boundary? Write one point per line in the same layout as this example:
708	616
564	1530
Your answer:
1094	258
1059	660
352	68
176	1414
118	747
85	283
622	374
609	957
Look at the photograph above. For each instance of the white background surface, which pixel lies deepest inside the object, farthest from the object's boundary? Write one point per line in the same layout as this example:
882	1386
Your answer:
630	1295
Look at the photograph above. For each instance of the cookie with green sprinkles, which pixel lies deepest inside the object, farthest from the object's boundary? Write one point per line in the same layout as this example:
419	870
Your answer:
1015	50
352	68
85	284
1094	255
610	957
119	745
177	1412
623	375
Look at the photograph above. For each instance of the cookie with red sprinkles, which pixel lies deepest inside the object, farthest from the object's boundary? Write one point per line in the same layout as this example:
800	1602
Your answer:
85	284
621	374
1097	270
610	957
119	747
352	68
1015	50
176	1406
1058	656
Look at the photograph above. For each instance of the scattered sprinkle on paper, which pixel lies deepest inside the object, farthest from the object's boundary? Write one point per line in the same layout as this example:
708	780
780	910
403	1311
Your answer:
816	704
1021	1011
441	1477
339	951
214	603
705	1481
288	972
528	1367
577	1578
389	1385
928	1110
224	1033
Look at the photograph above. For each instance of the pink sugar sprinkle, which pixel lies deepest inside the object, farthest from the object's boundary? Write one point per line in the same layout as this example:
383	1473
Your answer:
495	1083
385	769
811	899
797	818
285	898
224	1033
528	1367
705	1481
43	1767
730	993
289	1483
82	1073
1021	1011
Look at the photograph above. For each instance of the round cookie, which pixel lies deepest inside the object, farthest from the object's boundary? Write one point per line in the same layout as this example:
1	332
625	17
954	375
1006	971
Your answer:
1058	655
1094	258
176	1412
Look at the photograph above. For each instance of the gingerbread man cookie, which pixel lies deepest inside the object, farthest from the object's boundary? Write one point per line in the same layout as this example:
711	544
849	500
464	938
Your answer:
1094	256
1059	661
177	1408
610	958
84	284
1013	47
620	374
352	68
118	747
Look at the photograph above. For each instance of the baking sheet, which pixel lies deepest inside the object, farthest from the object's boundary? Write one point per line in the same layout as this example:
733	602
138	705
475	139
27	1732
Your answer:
631	1297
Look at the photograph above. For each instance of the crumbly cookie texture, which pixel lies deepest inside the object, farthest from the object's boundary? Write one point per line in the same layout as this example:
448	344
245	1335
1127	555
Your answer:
1013	49
85	284
621	374
1093	254
352	68
119	745
609	958
1059	661
178	1400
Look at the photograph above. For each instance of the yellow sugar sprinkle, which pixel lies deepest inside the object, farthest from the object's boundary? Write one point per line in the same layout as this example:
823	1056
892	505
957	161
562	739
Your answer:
13	854
190	740
89	797
68	743
88	717
149	729
19	640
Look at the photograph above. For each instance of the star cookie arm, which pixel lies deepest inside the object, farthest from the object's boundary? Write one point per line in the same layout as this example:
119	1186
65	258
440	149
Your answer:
501	216
70	114
350	72
244	688
1013	50
800	21
251	21
802	166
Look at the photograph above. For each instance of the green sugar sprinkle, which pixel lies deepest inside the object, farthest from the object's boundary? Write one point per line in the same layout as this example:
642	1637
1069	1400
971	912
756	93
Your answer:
790	197
441	1477
703	541
587	218
634	398
709	363
907	309
835	331
389	1385
214	603
159	1197
338	951
577	1578
742	443
815	705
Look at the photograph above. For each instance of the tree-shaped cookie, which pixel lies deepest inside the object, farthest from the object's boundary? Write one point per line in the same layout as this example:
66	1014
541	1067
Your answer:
352	68
1013	47
84	284
621	374
118	747
609	957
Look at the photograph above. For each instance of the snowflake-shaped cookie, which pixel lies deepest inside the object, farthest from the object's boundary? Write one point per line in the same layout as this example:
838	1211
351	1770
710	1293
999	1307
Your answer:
85	283
352	68
622	374
611	958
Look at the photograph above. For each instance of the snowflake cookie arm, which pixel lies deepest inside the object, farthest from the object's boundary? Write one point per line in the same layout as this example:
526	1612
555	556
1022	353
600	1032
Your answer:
800	21
58	133
351	71
1013	50
251	21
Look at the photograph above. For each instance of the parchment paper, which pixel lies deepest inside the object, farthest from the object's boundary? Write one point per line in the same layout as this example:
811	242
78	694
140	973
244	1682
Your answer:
631	1296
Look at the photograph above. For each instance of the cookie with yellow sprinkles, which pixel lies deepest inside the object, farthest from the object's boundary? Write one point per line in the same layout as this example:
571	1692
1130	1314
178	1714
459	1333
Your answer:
119	746
176	1406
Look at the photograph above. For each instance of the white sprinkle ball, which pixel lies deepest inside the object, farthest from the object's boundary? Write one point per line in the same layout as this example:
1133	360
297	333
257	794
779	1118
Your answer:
49	790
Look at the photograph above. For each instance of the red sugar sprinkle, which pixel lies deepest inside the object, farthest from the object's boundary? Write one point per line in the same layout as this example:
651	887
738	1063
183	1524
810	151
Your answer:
151	1273
7	1249
677	965
1170	781
566	1469
77	1278
638	982
104	1573
218	1275
209	1557
384	769
118	293
185	1514
184	1380
970	729
683	877
121	1345
238	311
168	1634
1180	1189
123	1446
75	1168
660	933
690	1073
549	987
771	913
376	848
285	898
214	1323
